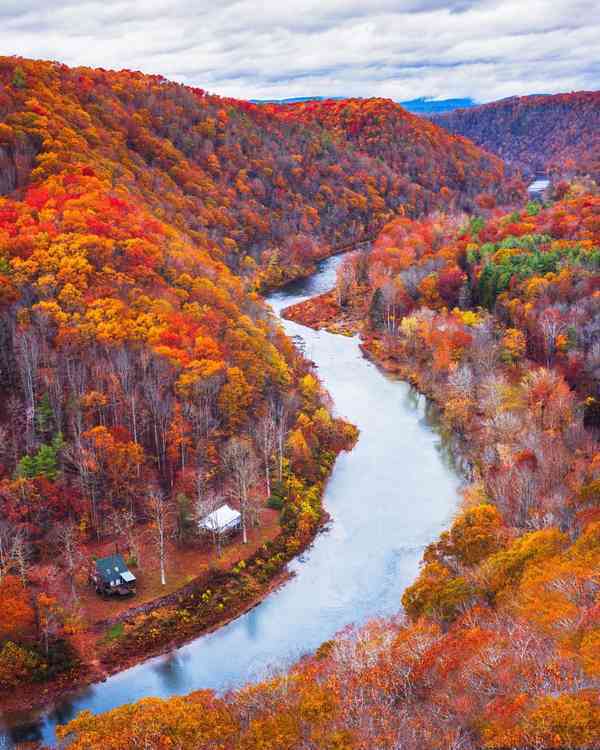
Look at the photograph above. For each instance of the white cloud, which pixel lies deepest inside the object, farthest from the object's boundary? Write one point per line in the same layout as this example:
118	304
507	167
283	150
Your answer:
397	48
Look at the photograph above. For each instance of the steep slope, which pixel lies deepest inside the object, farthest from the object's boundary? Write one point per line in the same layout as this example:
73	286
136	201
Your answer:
410	146
240	179
559	134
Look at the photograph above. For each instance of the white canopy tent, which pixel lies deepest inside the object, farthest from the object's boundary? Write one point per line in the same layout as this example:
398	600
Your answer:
222	520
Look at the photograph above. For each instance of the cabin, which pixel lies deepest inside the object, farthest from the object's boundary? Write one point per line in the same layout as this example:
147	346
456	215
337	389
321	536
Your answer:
110	575
222	521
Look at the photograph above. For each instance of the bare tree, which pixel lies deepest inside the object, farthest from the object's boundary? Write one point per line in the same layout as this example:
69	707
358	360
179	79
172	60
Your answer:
82	459
20	555
77	377
206	503
48	614
281	410
161	520
5	536
27	355
155	384
391	292
345	281
240	460
66	537
265	437
202	410
551	326
5	448
10	541
122	523
55	388
16	421
485	349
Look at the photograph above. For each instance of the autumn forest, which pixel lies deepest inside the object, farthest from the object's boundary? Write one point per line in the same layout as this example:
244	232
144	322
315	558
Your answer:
146	385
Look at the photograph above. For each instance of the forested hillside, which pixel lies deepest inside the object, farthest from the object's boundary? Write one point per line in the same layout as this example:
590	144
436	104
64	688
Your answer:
409	145
499	645
558	134
273	186
132	368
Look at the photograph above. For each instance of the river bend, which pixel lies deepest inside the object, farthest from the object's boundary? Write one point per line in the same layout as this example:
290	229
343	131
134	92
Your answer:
388	498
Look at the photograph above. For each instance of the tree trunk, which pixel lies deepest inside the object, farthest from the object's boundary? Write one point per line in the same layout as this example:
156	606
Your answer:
244	513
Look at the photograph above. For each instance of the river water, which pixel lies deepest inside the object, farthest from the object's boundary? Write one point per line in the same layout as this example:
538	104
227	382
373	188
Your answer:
388	498
538	186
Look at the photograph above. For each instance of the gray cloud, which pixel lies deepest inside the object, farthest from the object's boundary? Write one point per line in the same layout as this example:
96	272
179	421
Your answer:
397	48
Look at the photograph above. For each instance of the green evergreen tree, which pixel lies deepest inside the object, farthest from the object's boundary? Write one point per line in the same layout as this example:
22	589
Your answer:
376	310
44	415
44	463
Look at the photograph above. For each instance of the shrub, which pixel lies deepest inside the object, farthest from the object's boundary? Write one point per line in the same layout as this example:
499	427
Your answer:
275	502
18	665
504	569
114	632
437	594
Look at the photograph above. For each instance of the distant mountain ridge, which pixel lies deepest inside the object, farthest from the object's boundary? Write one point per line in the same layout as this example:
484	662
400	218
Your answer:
298	99
423	105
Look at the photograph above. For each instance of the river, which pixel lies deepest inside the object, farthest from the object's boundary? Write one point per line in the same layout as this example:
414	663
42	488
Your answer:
538	186
387	498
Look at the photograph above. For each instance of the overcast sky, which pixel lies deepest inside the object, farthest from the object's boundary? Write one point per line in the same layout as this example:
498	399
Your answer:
486	49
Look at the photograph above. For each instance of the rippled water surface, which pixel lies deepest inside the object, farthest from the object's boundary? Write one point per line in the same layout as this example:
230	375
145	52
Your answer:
388	498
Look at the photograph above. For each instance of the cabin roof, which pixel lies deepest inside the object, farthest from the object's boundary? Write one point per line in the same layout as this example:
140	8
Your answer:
221	519
112	568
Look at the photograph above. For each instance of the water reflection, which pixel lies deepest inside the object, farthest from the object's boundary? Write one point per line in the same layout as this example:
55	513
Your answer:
169	671
412	399
388	498
252	629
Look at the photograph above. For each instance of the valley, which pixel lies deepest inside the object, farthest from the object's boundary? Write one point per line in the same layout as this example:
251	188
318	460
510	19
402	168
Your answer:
368	340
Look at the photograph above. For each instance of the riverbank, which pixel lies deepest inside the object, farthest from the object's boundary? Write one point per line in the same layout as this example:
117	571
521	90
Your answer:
260	579
319	312
206	603
273	279
41	696
148	628
323	312
95	672
522	551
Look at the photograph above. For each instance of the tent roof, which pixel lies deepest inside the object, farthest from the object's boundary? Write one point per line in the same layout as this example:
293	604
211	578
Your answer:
221	519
